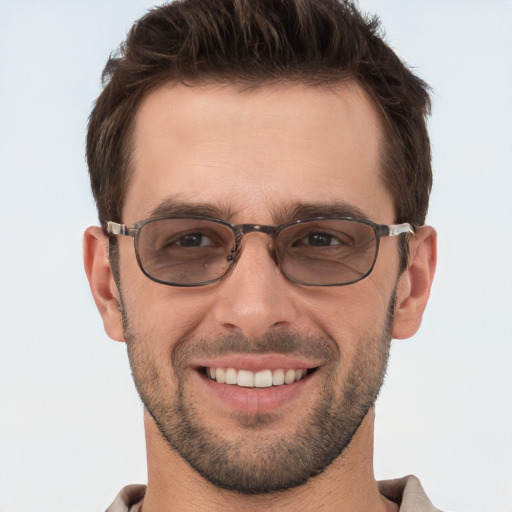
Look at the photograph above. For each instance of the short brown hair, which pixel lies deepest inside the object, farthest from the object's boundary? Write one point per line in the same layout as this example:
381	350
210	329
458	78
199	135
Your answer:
255	42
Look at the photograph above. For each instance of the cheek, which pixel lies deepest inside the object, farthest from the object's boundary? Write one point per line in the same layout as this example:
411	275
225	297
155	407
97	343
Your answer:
353	311
356	319
163	316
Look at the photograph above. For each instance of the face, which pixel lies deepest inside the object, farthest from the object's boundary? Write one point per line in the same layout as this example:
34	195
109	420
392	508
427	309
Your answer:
258	156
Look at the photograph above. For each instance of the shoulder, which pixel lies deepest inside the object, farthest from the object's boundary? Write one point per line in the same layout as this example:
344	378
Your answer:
408	493
129	499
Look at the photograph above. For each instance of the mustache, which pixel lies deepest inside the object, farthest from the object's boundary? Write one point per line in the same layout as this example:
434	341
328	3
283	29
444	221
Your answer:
286	343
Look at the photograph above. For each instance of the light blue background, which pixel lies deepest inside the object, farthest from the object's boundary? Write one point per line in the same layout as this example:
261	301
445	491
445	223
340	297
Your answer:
70	421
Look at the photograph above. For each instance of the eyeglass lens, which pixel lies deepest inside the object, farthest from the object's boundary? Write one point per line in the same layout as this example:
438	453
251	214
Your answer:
196	251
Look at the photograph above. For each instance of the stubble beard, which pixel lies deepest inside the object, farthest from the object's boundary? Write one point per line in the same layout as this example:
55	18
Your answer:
258	461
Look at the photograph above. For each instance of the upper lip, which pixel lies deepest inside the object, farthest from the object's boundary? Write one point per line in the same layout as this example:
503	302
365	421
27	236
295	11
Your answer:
259	362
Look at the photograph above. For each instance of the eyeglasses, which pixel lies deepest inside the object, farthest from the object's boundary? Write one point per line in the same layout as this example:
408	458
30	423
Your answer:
197	251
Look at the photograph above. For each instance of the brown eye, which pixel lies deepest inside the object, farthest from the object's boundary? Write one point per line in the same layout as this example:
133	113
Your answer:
320	239
193	240
323	239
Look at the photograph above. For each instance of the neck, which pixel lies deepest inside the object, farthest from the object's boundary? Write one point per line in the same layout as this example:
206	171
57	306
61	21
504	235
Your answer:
347	485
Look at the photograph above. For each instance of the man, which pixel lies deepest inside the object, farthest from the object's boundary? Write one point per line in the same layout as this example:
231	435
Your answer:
262	172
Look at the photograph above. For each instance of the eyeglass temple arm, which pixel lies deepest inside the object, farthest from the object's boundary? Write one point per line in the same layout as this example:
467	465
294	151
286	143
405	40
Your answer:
396	229
113	228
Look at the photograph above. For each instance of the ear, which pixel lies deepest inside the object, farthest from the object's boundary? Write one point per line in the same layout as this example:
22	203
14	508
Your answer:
101	281
414	285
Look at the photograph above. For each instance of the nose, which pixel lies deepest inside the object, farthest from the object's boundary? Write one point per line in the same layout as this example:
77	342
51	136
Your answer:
255	297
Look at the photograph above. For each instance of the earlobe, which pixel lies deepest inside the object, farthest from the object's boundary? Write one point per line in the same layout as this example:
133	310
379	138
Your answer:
414	285
101	281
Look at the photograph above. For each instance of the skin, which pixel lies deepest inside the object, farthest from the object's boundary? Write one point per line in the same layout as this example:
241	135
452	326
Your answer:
254	155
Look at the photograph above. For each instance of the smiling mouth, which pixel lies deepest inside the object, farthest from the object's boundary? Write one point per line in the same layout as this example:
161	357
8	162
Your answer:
260	379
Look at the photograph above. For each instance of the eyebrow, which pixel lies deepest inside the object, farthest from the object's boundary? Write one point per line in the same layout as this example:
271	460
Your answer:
287	213
312	210
175	207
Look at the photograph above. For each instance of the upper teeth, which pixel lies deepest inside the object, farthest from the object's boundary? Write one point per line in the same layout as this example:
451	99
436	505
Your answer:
261	379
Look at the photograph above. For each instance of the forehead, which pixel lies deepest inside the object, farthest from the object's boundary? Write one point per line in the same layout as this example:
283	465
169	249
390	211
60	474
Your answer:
253	153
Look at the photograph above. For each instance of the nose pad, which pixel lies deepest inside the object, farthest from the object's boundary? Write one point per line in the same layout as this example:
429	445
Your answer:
237	251
273	252
233	255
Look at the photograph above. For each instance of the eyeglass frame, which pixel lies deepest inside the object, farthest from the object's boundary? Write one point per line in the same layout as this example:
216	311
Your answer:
111	229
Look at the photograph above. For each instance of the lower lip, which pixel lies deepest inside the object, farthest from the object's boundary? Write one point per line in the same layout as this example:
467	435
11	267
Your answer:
255	400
